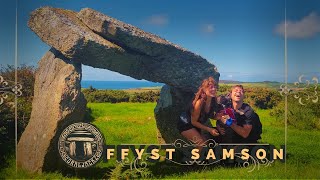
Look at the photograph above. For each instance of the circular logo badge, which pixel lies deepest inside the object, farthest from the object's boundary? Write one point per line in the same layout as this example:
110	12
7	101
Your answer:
80	145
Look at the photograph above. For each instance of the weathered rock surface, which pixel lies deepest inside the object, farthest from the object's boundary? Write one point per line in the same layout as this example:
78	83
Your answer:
62	30
114	45
169	107
57	102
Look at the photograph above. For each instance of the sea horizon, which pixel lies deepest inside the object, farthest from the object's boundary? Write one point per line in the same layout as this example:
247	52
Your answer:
116	85
137	84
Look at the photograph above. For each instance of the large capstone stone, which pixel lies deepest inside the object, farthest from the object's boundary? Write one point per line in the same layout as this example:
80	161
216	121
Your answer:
97	40
171	63
57	102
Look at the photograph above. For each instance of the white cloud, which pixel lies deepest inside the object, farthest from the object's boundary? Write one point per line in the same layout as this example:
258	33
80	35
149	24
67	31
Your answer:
307	27
158	20
208	28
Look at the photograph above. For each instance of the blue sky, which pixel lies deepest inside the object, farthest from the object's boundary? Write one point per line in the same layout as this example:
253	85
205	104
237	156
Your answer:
244	39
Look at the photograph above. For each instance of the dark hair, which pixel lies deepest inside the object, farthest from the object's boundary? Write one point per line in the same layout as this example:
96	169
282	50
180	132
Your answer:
235	86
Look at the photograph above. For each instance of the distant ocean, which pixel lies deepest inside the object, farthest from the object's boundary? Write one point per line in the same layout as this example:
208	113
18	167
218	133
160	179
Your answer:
119	84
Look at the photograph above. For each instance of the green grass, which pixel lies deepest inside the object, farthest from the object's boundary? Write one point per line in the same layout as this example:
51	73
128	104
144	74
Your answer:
125	122
10	172
134	123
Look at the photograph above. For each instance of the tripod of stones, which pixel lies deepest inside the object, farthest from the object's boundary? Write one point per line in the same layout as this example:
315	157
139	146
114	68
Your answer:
91	38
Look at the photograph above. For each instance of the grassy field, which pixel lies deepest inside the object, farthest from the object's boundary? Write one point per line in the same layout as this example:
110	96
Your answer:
134	123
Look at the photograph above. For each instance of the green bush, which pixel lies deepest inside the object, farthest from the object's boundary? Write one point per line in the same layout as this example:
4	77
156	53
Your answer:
113	96
7	109
24	105
149	96
224	89
117	96
263	98
304	117
259	97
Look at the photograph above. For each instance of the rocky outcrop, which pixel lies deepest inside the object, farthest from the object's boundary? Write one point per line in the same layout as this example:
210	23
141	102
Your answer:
57	102
97	40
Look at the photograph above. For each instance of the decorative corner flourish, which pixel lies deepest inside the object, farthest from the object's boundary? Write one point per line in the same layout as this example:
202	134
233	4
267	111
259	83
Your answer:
8	87
306	94
304	90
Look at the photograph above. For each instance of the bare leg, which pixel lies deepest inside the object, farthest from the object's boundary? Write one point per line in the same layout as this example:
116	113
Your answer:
194	136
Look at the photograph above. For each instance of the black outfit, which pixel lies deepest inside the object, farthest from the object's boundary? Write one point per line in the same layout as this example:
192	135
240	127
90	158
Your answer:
184	122
247	117
255	132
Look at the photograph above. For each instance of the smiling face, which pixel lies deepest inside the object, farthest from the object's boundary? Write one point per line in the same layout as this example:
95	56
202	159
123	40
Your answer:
237	93
211	90
207	89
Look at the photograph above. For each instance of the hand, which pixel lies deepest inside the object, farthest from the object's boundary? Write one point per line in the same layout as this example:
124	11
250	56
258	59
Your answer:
221	130
213	132
219	115
224	118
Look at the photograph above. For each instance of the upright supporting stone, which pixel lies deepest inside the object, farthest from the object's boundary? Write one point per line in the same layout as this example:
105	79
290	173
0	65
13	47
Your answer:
57	102
169	107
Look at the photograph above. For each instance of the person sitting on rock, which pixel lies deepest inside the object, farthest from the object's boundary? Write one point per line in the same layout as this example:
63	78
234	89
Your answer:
245	127
204	105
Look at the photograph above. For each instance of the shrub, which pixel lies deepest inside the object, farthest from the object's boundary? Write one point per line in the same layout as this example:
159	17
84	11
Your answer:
113	96
116	96
304	117
149	96
224	89
24	105
262	98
